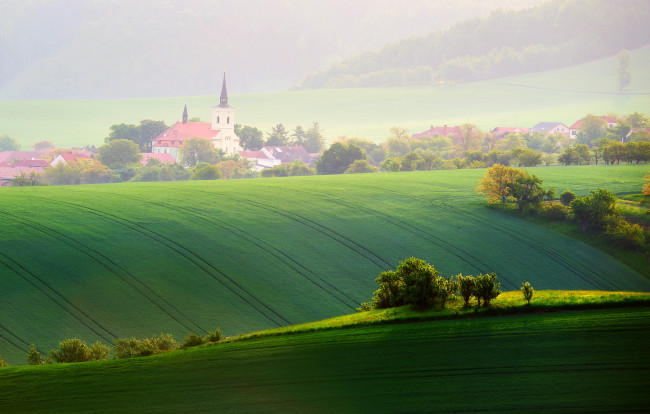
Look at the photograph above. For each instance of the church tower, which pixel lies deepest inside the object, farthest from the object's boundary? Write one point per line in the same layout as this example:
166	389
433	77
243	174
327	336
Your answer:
223	116
223	120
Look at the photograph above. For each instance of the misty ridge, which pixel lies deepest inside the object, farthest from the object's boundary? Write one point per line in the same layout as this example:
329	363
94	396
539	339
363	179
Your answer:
102	49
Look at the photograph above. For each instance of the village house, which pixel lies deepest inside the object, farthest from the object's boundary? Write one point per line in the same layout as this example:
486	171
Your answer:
502	132
270	156
575	128
443	131
549	128
70	158
221	131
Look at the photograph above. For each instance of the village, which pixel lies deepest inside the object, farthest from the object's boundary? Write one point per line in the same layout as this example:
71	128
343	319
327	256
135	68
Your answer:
452	147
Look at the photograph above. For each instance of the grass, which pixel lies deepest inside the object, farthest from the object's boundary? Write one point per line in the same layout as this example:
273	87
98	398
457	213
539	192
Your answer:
580	361
105	261
563	95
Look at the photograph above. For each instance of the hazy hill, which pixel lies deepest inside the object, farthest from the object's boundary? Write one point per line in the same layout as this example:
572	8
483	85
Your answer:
553	35
151	48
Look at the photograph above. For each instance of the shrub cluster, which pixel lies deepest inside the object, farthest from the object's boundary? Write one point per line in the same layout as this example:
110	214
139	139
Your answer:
483	287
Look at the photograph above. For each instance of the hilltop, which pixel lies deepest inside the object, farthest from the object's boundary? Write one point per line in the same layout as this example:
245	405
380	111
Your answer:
121	260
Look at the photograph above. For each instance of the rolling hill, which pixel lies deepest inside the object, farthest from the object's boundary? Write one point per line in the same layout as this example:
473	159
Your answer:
562	95
136	259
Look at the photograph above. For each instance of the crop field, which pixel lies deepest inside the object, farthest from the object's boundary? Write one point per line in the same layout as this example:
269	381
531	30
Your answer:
564	95
137	259
578	361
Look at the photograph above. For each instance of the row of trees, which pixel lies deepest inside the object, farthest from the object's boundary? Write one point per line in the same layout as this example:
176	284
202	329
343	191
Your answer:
597	210
252	139
608	151
77	350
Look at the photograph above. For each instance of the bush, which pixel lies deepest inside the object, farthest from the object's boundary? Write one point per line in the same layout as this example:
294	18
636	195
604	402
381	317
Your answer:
365	307
132	347
192	340
567	197
629	235
527	290
208	172
126	348
487	288
3	363
389	293
71	350
555	211
214	336
34	357
466	287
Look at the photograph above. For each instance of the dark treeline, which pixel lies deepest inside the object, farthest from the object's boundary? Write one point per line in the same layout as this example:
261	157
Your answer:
556	34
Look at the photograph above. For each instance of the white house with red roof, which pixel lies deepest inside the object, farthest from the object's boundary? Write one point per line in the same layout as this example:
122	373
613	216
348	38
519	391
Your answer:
270	156
221	131
575	128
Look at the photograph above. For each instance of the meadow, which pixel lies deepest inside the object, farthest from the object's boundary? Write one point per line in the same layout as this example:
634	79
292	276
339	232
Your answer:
578	361
563	95
137	259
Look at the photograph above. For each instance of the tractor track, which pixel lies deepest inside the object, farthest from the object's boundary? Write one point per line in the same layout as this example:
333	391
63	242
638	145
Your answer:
190	256
144	290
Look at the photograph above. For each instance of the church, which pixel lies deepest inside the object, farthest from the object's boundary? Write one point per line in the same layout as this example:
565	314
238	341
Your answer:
221	131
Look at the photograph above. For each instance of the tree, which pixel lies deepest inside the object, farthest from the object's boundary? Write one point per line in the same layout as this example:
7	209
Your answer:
207	172
231	169
567	197
418	282
28	180
389	294
495	182
93	172
43	145
314	140
584	155
637	120
298	137
391	164
123	131
624	69
527	191
8	143
595	209
569	156
195	150
470	138
338	158
529	158
34	356
360	167
528	291
487	288
62	174
637	151
119	151
466	287
613	151
277	137
251	138
591	128
150	129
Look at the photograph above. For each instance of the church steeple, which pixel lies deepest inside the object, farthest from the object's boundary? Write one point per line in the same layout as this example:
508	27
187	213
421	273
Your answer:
185	114
223	102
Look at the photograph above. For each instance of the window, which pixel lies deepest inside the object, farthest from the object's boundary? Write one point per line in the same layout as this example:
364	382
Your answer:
217	120
228	120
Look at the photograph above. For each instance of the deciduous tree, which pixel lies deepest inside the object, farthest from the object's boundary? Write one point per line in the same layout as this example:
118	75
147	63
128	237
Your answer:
251	138
338	158
495	182
119	151
624	69
8	143
196	150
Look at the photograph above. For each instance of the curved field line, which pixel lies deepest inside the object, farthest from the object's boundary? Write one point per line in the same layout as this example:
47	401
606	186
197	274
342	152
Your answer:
404	225
192	257
85	249
10	341
262	245
336	236
56	293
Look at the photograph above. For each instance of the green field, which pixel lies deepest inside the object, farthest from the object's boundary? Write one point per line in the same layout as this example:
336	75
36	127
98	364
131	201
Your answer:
578	361
137	259
563	95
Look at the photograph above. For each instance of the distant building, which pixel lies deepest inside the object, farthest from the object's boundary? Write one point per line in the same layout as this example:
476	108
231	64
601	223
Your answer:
443	131
221	131
11	156
269	157
501	132
32	163
575	128
70	158
551	128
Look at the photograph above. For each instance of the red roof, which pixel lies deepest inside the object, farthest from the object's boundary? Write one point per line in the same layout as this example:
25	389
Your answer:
9	156
9	173
175	135
608	119
4	164
32	163
164	157
443	131
255	154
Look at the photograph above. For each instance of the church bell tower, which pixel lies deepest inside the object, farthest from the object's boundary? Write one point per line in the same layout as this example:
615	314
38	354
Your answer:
223	115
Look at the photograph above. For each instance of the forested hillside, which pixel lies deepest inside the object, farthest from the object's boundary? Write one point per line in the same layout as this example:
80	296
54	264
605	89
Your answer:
151	48
553	35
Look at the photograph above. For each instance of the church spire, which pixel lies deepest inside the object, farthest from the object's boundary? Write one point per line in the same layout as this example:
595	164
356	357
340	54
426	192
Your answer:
223	102
185	114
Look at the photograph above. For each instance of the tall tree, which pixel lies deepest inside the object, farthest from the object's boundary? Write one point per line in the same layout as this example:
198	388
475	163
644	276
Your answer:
298	137
150	129
118	152
338	158
251	138
637	120
495	182
277	137
195	150
591	128
8	143
624	70
314	140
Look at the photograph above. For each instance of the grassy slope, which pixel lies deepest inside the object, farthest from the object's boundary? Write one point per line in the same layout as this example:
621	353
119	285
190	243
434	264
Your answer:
561	95
581	361
136	259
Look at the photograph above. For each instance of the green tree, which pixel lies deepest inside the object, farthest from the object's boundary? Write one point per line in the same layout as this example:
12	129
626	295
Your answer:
124	131
148	130
8	143
43	145
34	356
495	183
278	137
591	128
487	288
418	282
528	291
529	158
207	172
360	167
584	155
567	197
251	138
624	69
70	350
637	120
298	137
527	191
338	158
391	164
595	209
62	174
28	180
466	287
314	140
196	150
569	156
119	151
